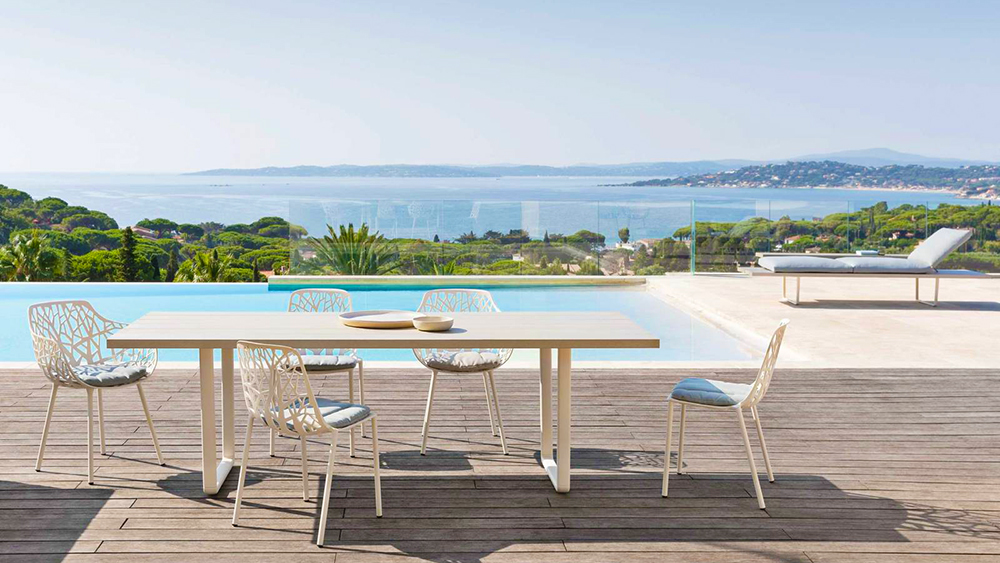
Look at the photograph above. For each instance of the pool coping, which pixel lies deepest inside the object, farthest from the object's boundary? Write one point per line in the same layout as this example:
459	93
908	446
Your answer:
287	282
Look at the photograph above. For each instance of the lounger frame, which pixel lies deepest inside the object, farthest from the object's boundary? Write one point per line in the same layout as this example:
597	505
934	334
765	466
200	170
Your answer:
936	276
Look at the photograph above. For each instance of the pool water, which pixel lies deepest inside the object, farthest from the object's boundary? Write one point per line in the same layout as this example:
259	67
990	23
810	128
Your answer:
682	337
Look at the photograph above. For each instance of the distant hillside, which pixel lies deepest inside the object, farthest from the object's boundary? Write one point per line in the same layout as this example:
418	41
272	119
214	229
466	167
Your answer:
443	171
886	157
969	181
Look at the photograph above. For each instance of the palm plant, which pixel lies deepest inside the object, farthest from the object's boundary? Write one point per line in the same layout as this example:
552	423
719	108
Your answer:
205	267
353	252
427	266
30	259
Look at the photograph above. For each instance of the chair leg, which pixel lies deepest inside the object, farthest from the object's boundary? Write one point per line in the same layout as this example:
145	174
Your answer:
305	470
149	422
270	443
45	428
326	490
350	394
680	441
100	418
496	406
753	466
243	470
489	402
763	446
90	436
427	414
361	391
376	467
667	448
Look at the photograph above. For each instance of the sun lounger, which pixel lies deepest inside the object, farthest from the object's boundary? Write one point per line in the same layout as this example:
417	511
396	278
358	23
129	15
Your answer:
921	263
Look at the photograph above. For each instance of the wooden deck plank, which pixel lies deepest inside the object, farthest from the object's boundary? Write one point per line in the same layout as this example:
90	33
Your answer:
872	466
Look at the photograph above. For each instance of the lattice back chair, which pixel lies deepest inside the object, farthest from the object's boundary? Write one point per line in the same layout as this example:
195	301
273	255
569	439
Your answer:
707	393
329	360
476	360
69	339
277	392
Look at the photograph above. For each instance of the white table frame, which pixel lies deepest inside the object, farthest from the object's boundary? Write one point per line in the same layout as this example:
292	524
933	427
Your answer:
216	469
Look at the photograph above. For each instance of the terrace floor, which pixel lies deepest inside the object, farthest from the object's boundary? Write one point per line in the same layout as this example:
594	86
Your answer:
873	465
850	323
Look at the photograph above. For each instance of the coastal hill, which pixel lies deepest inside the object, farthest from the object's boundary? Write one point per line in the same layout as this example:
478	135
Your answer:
981	181
490	171
665	169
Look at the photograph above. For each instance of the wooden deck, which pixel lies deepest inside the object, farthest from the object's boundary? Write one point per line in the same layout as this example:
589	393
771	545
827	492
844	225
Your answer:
893	466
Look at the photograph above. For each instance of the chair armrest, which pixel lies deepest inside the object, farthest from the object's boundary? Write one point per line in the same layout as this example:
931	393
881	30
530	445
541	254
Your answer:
146	357
55	364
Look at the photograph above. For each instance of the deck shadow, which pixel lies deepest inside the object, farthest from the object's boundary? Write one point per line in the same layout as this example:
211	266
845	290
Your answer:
900	305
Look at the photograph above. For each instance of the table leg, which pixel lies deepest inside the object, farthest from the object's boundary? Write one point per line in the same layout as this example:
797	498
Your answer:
557	469
228	424
213	472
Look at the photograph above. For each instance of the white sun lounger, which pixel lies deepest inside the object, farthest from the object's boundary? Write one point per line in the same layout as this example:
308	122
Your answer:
920	264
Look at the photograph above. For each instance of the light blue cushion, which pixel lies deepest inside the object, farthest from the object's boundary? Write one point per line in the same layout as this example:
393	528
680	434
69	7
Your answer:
885	265
938	246
335	413
710	392
804	265
462	361
110	375
328	362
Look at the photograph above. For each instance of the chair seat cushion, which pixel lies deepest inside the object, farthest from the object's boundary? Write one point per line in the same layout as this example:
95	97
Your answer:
710	392
804	265
462	361
110	375
328	362
335	413
885	265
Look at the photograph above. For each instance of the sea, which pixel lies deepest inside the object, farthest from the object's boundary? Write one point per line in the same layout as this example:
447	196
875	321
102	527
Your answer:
449	207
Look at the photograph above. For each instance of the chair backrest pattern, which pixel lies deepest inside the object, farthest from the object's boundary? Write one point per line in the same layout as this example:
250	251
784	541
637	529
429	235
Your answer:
66	334
322	301
766	371
458	301
276	388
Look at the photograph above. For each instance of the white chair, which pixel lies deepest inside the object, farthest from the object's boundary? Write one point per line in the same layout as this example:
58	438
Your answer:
698	392
277	393
330	360
462	361
70	343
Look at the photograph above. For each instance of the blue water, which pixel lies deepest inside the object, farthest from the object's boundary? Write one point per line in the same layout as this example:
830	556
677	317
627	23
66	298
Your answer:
447	207
682	337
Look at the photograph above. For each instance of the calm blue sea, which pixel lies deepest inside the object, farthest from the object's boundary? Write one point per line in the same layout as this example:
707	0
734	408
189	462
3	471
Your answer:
447	207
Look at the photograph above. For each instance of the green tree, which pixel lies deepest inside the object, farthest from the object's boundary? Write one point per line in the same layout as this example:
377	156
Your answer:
154	268
256	272
205	267
190	232
160	226
128	264
353	252
30	258
172	267
623	234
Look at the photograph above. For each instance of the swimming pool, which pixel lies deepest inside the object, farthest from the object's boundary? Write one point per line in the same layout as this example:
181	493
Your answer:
682	337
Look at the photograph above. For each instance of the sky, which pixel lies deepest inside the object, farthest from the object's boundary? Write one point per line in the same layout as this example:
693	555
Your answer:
182	86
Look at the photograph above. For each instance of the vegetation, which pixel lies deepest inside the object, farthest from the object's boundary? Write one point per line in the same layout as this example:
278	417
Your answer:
43	245
970	181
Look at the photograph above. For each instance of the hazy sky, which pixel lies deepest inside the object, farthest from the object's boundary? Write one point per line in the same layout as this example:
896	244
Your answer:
126	86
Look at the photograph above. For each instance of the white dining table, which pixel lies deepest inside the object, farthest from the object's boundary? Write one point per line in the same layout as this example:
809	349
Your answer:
544	331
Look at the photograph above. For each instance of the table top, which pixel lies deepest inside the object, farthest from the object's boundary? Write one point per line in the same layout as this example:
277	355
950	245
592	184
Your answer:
324	330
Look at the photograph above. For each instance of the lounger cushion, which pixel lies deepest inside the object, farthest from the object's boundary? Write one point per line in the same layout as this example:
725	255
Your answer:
804	265
938	246
463	361
885	265
316	363
110	375
710	392
335	413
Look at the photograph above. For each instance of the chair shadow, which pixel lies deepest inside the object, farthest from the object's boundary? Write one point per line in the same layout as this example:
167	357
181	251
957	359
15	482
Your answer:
855	304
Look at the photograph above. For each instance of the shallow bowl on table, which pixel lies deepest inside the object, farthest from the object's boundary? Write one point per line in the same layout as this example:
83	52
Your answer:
379	319
433	323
